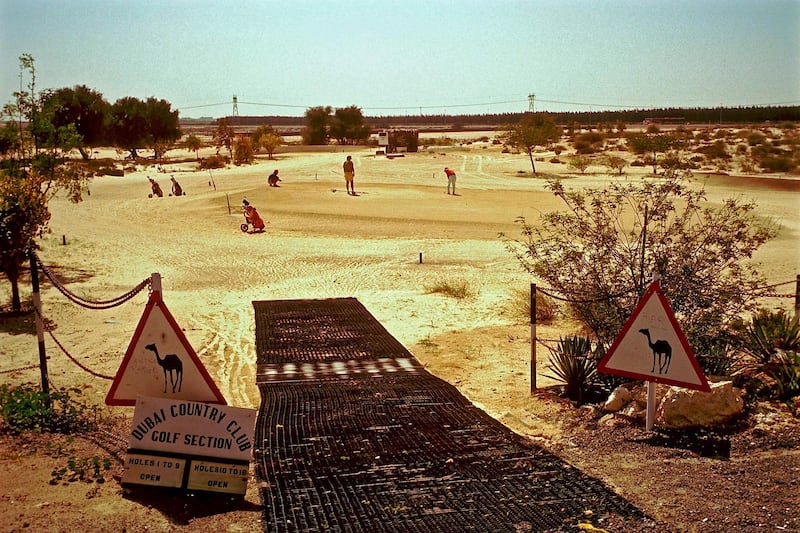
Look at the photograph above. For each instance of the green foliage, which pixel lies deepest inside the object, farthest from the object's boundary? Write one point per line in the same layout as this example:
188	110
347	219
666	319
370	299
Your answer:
86	469
243	152
768	332
223	136
652	142
193	144
614	162
347	126
786	373
27	408
604	248
455	288
534	129
573	364
317	120
579	162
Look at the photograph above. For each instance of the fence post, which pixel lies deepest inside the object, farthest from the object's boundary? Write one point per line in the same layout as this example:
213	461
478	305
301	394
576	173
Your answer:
797	298
533	337
37	305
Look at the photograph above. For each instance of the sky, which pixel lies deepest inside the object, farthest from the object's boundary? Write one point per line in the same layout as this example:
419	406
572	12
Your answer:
409	57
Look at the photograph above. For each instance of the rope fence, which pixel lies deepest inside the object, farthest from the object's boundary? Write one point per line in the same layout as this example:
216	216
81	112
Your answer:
36	266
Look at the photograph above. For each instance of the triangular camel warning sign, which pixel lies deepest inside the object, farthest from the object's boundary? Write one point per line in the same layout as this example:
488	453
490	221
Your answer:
161	363
652	347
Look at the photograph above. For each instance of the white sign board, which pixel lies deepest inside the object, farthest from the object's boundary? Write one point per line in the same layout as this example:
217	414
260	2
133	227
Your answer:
191	445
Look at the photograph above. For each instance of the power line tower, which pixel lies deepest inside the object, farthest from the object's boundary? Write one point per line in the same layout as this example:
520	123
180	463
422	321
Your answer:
235	106
531	99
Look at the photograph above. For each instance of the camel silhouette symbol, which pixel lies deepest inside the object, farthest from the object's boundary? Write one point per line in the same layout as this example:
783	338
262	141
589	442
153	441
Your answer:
170	363
662	349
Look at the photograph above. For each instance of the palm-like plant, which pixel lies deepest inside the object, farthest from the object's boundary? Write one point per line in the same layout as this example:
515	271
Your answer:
769	332
573	364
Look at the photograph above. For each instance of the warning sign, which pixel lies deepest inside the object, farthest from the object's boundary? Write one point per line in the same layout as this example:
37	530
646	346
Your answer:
160	362
652	347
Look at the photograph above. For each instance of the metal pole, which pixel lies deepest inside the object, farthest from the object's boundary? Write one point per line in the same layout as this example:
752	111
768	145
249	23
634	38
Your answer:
533	337
651	393
37	304
651	405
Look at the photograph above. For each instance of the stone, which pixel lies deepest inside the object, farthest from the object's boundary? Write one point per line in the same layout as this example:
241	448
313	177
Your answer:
618	399
685	408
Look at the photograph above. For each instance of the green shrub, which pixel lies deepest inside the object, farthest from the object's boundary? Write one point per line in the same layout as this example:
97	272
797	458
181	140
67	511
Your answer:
26	408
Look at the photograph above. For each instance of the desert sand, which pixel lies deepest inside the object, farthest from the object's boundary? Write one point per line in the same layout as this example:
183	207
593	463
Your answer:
320	242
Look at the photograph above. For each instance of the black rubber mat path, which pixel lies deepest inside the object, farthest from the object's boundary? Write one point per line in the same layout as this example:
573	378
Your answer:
353	435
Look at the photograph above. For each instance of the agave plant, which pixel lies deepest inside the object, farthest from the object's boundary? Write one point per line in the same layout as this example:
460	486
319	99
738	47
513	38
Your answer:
573	364
769	332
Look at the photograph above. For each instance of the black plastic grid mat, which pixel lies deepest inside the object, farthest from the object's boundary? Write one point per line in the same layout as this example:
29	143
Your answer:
390	450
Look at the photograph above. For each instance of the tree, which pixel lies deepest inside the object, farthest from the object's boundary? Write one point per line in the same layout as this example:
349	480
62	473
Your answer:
193	144
83	108
23	216
267	138
614	162
243	150
534	129
316	130
30	180
579	162
642	143
223	136
151	123
602	250
347	126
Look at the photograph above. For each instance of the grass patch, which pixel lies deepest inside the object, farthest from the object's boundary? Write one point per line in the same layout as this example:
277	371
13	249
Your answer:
455	288
519	307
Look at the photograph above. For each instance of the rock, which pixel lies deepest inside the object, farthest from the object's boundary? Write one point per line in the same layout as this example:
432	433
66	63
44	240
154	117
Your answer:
685	408
640	394
618	399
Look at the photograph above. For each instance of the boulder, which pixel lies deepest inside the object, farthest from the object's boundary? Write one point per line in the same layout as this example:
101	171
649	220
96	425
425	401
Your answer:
618	399
685	408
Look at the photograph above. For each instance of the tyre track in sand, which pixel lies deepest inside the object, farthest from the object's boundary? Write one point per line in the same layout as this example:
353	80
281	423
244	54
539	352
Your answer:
228	350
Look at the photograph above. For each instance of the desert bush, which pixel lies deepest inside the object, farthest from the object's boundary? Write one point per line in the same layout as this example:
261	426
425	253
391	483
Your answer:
603	248
215	161
455	288
27	408
755	138
519	306
778	163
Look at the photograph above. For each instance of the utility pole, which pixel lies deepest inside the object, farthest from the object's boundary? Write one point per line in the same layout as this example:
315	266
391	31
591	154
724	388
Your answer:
531	103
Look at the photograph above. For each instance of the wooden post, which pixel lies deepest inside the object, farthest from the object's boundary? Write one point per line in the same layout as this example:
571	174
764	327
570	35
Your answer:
797	299
37	304
228	199
420	258
533	337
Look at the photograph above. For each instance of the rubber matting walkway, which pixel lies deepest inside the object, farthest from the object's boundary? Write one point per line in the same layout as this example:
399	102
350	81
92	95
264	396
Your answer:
353	435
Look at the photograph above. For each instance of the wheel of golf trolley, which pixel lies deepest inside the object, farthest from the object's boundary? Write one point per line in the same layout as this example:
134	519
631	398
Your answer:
244	227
